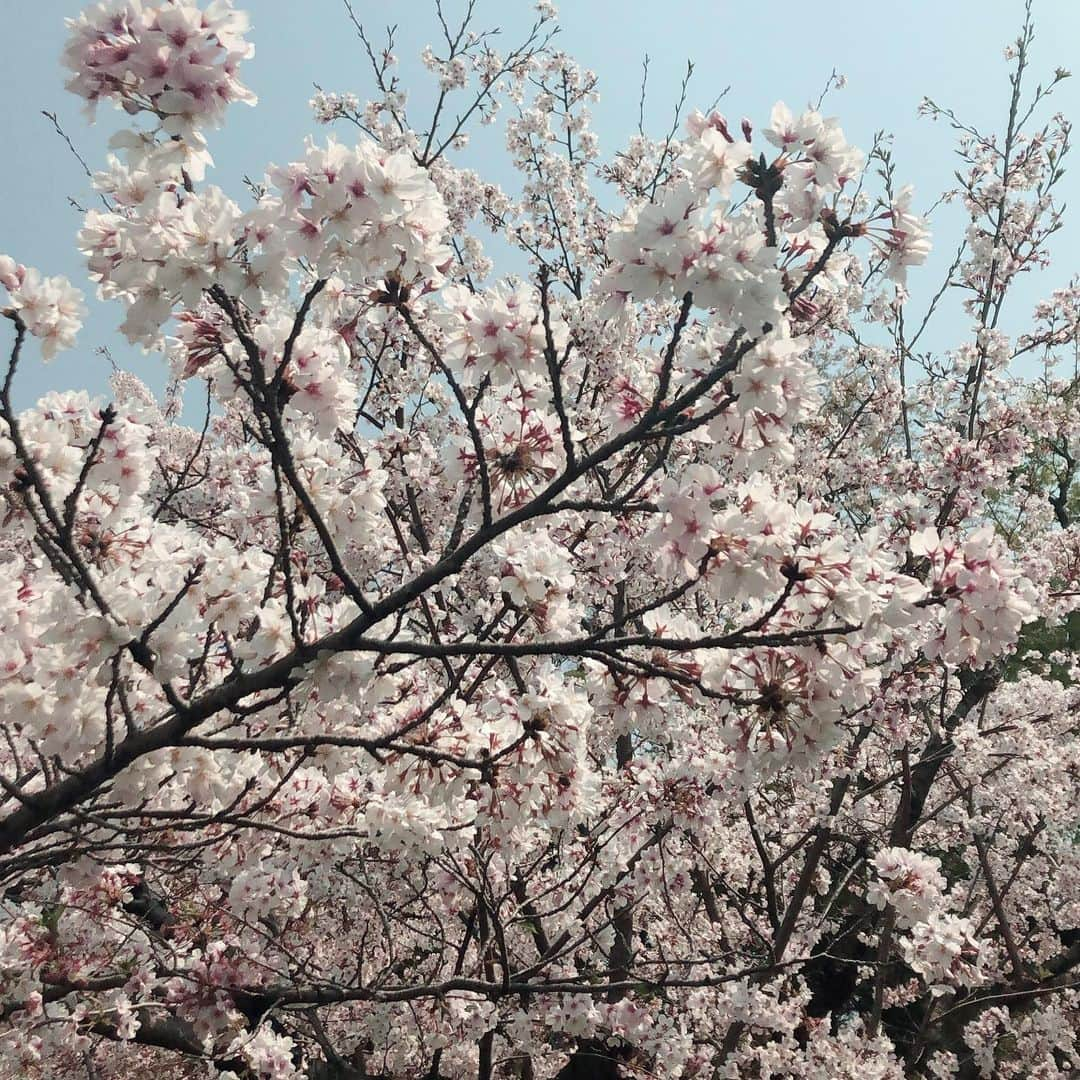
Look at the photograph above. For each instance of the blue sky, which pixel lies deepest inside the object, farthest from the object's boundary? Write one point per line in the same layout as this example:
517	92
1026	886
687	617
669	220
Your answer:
892	54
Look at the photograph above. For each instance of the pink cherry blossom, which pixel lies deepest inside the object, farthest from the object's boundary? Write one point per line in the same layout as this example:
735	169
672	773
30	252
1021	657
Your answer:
571	626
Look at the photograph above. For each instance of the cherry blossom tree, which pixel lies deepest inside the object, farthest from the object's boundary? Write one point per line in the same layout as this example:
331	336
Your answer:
651	663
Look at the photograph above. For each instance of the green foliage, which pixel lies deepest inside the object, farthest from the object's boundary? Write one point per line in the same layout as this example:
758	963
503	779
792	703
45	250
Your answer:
1040	639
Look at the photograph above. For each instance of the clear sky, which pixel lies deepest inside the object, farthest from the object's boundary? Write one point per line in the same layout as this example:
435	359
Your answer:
892	54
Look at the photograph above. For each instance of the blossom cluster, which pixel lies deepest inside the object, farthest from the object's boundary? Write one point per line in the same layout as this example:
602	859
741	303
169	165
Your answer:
909	882
987	600
49	307
175	60
943	949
